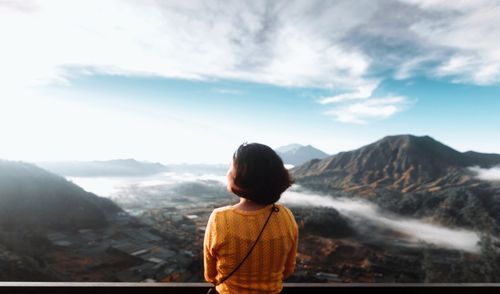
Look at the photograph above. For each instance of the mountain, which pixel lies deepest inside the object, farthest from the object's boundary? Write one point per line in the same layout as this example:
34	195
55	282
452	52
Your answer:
403	163
288	148
296	154
109	168
484	160
33	197
411	175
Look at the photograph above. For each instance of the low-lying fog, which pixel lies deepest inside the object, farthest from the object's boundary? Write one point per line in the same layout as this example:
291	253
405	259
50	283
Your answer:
137	194
487	174
114	186
415	230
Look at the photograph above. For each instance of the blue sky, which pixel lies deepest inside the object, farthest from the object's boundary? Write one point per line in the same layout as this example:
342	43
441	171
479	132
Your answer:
188	82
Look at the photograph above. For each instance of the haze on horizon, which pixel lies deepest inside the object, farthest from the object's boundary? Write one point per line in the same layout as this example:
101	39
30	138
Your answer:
139	194
188	82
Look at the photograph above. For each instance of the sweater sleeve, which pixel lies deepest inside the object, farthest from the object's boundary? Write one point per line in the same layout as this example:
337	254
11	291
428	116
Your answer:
292	254
209	258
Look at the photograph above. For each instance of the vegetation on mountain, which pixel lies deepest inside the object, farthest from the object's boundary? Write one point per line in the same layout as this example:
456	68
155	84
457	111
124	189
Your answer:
415	176
323	221
33	197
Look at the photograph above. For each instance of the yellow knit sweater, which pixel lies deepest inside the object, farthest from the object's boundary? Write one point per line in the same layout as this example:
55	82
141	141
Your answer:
229	235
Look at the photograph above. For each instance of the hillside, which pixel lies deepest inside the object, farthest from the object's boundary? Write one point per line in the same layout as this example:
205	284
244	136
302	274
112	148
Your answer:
31	196
403	163
411	175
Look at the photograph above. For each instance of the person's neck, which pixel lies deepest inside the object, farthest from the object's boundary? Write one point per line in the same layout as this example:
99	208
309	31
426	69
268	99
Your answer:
248	205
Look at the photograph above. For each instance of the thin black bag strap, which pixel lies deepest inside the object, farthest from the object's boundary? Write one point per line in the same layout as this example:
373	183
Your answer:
273	209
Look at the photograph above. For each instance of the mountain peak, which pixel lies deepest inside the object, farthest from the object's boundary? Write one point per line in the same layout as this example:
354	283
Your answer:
296	154
417	149
402	162
409	139
289	147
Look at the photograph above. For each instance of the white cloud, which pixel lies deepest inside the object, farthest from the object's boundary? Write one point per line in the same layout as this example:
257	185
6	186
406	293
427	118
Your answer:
454	65
255	41
470	68
227	91
111	186
346	46
469	31
491	174
414	66
449	5
284	43
413	230
362	92
374	108
291	43
27	5
351	110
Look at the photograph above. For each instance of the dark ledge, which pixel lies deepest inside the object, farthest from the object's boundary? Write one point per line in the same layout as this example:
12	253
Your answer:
37	287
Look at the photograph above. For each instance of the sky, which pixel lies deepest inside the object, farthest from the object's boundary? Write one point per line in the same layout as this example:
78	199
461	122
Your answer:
188	81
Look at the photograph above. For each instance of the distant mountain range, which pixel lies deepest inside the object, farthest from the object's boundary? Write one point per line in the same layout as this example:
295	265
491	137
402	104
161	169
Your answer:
109	168
296	154
411	175
33	197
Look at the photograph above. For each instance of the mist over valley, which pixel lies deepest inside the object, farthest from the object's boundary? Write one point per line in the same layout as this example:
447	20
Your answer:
410	217
139	195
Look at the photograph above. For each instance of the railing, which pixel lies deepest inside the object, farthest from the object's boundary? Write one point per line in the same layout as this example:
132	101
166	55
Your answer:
50	287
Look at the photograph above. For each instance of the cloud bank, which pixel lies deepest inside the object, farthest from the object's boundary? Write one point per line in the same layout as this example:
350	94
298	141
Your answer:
369	109
163	190
346	46
491	174
416	230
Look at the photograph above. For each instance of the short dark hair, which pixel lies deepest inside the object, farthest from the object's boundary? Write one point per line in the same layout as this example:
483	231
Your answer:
260	175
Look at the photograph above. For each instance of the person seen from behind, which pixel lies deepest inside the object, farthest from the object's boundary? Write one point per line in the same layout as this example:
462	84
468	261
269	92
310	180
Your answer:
250	247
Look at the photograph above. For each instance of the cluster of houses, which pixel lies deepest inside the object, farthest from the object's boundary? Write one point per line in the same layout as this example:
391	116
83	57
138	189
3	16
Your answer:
136	251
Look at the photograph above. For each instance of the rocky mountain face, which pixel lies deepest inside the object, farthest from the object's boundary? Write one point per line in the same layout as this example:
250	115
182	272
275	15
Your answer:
411	175
33	197
296	154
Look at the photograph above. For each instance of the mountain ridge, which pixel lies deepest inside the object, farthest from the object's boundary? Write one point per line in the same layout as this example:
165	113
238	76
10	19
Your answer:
414	176
404	161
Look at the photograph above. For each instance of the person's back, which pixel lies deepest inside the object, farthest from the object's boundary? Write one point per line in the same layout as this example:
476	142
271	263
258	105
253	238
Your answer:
256	175
231	232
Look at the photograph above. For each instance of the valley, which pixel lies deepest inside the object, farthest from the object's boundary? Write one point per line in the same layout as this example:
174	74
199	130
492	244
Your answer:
402	210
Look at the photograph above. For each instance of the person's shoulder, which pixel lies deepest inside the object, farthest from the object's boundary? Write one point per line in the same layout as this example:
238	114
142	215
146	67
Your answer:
281	206
223	209
218	212
288	216
284	208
